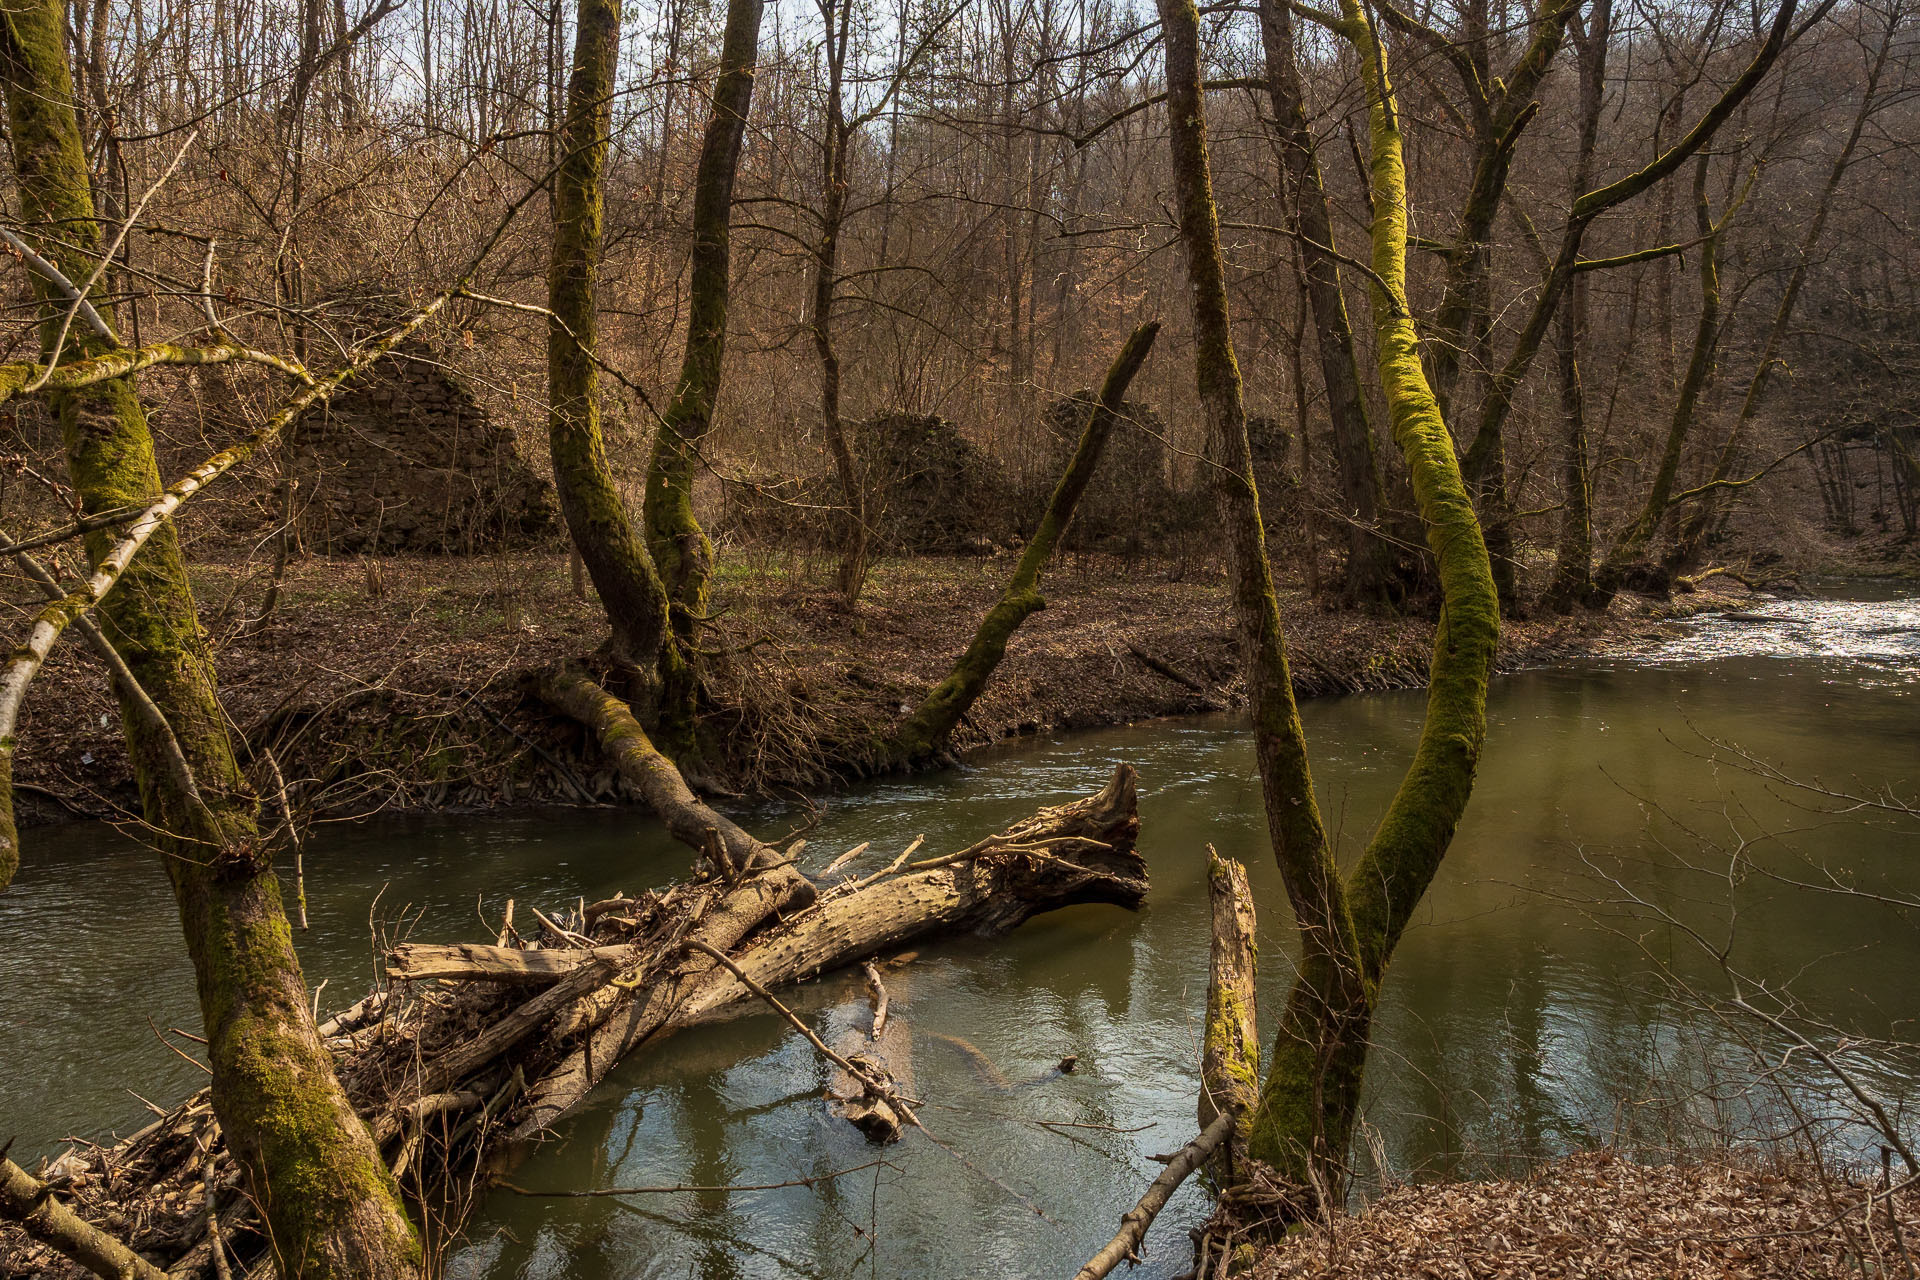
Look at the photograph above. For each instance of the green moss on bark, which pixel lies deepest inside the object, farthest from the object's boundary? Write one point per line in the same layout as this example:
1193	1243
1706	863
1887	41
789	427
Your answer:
681	550
926	731
617	561
329	1204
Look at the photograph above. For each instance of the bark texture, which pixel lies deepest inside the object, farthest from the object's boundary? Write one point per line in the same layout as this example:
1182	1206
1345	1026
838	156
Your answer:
1370	556
1348	927
1230	1054
31	1203
331	1206
681	550
615	557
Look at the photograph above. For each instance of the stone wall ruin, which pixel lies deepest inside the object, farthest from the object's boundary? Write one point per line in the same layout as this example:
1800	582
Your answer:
405	459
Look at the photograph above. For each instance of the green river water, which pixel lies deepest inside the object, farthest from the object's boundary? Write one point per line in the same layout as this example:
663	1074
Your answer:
1528	1012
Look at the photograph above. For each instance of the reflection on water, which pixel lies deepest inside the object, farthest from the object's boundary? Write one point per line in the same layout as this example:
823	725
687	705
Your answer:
1523	1016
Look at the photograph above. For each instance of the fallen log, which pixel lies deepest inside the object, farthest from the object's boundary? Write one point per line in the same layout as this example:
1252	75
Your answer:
423	962
454	1074
658	779
1079	852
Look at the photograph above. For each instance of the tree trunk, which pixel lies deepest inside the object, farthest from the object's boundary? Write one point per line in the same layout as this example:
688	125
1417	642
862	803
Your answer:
603	536
1573	555
1370	556
1633	543
680	547
1573	567
926	731
1294	822
1699	521
310	1163
1485	460
834	145
1230	1054
1348	928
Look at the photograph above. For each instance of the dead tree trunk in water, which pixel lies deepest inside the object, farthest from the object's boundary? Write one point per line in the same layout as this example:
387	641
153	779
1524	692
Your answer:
926	731
1230	1052
495	1044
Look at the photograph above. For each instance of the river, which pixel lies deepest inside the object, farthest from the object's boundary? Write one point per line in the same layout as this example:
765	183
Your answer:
1531	1009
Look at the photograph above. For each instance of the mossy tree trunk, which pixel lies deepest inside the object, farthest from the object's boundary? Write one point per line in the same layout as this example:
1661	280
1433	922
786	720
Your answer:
611	549
330	1204
1230	1048
1497	108
1348	926
1370	555
681	550
925	732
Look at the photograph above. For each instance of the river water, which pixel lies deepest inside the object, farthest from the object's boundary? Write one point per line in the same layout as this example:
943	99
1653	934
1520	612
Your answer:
1555	991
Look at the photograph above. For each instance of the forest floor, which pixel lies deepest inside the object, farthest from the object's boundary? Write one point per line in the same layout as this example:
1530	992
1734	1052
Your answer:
1597	1215
409	684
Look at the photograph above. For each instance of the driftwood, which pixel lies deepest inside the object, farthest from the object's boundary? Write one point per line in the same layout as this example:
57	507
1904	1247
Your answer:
420	962
475	1049
32	1203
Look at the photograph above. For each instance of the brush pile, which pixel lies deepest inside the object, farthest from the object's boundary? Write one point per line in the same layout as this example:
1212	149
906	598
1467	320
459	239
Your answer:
471	1052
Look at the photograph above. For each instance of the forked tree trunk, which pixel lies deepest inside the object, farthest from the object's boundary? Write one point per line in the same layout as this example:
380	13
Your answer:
1348	928
310	1163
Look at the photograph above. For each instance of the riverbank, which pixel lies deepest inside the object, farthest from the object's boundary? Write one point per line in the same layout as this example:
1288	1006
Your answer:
1597	1215
405	684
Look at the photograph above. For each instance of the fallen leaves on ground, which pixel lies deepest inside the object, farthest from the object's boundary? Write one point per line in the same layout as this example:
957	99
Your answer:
1600	1215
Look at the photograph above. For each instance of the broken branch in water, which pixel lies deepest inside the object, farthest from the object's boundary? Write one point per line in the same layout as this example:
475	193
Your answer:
879	989
1134	1223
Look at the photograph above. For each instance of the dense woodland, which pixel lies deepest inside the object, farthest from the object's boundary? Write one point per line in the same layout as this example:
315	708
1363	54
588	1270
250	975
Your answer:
1456	313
